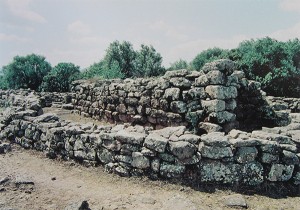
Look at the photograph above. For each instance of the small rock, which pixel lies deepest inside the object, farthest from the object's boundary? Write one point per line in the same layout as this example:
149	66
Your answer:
84	205
235	200
4	180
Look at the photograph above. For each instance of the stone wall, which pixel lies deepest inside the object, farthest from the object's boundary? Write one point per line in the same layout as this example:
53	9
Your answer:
178	98
218	94
238	158
26	97
284	104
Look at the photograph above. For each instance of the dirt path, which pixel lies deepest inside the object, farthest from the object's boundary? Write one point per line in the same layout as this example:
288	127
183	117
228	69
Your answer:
60	184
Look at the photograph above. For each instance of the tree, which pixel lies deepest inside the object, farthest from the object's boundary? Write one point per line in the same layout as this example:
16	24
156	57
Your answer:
100	70
274	64
208	56
120	56
60	78
180	64
147	62
26	71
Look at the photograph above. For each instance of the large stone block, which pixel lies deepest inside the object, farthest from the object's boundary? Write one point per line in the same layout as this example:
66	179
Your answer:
216	171
213	105
246	154
180	82
170	170
216	78
105	156
178	106
222	117
217	139
130	137
209	127
215	152
252	173
156	142
280	172
223	65
221	92
140	161
182	149
172	94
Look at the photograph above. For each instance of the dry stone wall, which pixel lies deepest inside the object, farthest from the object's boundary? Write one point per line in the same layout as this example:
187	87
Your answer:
218	94
178	98
238	158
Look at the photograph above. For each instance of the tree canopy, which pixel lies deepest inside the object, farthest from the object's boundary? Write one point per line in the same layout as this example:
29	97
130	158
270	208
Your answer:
180	64
26	71
275	64
60	77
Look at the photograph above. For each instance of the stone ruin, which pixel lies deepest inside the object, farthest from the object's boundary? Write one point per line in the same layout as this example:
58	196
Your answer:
218	94
212	126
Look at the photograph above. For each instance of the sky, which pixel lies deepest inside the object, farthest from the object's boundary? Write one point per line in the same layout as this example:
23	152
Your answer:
79	31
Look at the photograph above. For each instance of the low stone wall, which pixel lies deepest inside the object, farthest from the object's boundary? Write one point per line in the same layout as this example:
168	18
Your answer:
27	98
238	158
284	104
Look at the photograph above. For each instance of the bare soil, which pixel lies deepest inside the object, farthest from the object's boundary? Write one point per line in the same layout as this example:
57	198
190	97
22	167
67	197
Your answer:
55	185
58	184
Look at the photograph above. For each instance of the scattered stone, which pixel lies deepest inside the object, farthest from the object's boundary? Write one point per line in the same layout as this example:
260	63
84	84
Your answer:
235	200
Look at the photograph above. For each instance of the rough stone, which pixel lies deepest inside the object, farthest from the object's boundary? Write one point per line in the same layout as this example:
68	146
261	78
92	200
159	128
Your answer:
217	139
213	105
182	149
170	170
130	137
172	94
209	127
246	154
156	142
235	200
280	172
191	138
215	152
140	161
178	107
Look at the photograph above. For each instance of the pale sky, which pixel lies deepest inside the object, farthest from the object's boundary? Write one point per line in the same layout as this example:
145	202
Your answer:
79	31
